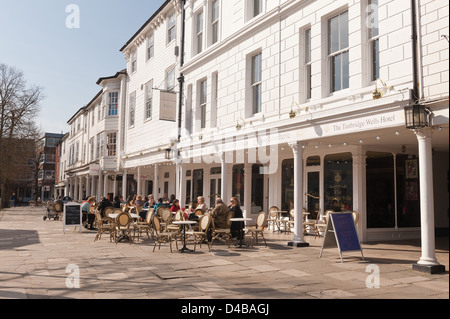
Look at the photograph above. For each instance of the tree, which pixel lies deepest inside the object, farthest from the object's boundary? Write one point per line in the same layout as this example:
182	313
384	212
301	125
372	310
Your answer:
19	106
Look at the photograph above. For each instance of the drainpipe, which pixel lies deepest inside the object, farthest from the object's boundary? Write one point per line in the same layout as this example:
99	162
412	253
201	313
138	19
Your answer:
414	51
181	78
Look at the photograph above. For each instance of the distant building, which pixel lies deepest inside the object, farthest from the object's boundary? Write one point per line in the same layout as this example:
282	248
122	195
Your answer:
46	147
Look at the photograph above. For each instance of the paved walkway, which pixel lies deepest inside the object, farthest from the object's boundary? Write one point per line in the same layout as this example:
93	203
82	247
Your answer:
35	254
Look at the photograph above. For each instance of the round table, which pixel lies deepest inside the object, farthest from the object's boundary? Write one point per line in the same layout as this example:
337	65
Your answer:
184	223
241	239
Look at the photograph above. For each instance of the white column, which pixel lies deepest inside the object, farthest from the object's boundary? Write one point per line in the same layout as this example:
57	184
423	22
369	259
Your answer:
155	183
80	188
298	239
124	184
100	186
247	205
224	173
93	186
138	191
76	189
181	184
105	185
428	258
359	189
115	186
88	186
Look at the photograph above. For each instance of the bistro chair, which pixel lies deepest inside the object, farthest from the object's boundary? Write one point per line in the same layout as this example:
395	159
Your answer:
222	233
273	218
258	229
123	224
198	212
161	236
108	210
165	217
202	234
179	216
104	226
311	225
145	226
322	226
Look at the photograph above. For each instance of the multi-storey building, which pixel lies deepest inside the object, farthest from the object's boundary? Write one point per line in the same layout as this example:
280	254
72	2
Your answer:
46	151
294	104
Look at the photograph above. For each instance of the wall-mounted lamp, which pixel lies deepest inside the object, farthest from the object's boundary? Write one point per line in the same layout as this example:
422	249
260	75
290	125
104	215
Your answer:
377	94
417	116
293	113
168	153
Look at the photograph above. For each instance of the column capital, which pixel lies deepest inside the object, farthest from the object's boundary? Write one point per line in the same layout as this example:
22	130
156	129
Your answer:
424	132
296	146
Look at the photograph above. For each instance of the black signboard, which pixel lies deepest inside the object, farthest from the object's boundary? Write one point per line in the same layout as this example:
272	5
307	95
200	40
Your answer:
72	215
341	233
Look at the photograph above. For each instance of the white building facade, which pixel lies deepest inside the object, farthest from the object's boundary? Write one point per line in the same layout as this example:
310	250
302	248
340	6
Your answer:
293	104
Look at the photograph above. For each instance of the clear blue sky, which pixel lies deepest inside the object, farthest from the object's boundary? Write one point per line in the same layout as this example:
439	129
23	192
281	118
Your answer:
68	62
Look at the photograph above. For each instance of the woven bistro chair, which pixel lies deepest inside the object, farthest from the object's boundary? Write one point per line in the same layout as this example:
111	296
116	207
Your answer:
123	226
161	236
258	229
201	234
272	219
222	233
104	226
145	226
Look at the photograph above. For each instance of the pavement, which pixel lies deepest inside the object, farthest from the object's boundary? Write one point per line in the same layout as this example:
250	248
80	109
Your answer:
39	261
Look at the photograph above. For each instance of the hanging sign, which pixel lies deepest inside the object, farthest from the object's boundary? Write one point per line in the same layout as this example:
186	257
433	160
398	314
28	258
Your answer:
341	233
72	216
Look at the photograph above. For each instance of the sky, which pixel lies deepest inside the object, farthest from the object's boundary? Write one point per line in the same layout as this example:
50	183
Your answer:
41	38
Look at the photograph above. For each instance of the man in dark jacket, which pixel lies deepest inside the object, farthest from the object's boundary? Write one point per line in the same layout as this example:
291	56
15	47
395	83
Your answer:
103	204
220	214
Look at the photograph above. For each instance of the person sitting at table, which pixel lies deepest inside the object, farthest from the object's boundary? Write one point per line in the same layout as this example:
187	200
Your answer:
158	205
150	202
139	202
116	202
201	204
175	206
236	227
86	208
103	204
220	214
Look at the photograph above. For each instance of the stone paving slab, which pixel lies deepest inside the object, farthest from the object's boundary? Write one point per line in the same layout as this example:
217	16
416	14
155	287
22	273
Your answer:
35	254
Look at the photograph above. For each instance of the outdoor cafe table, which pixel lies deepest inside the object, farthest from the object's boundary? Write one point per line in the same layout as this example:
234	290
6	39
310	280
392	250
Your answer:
184	223
241	237
114	216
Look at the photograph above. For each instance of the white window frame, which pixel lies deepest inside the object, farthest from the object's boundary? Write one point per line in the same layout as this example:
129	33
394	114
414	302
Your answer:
171	27
340	52
199	30
133	61
132	110
113	103
308	63
203	100
215	21
373	36
111	144
150	46
256	83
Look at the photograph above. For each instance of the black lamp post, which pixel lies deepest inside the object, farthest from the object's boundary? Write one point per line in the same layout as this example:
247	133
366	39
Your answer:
416	116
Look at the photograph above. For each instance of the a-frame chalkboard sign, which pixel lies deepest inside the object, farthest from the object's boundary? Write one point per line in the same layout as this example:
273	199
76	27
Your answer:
341	233
72	216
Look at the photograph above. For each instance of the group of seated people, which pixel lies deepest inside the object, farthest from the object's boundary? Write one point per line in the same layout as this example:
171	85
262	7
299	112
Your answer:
219	213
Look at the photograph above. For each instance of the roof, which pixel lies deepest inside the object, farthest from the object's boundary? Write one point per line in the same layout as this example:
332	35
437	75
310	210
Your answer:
145	24
124	71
